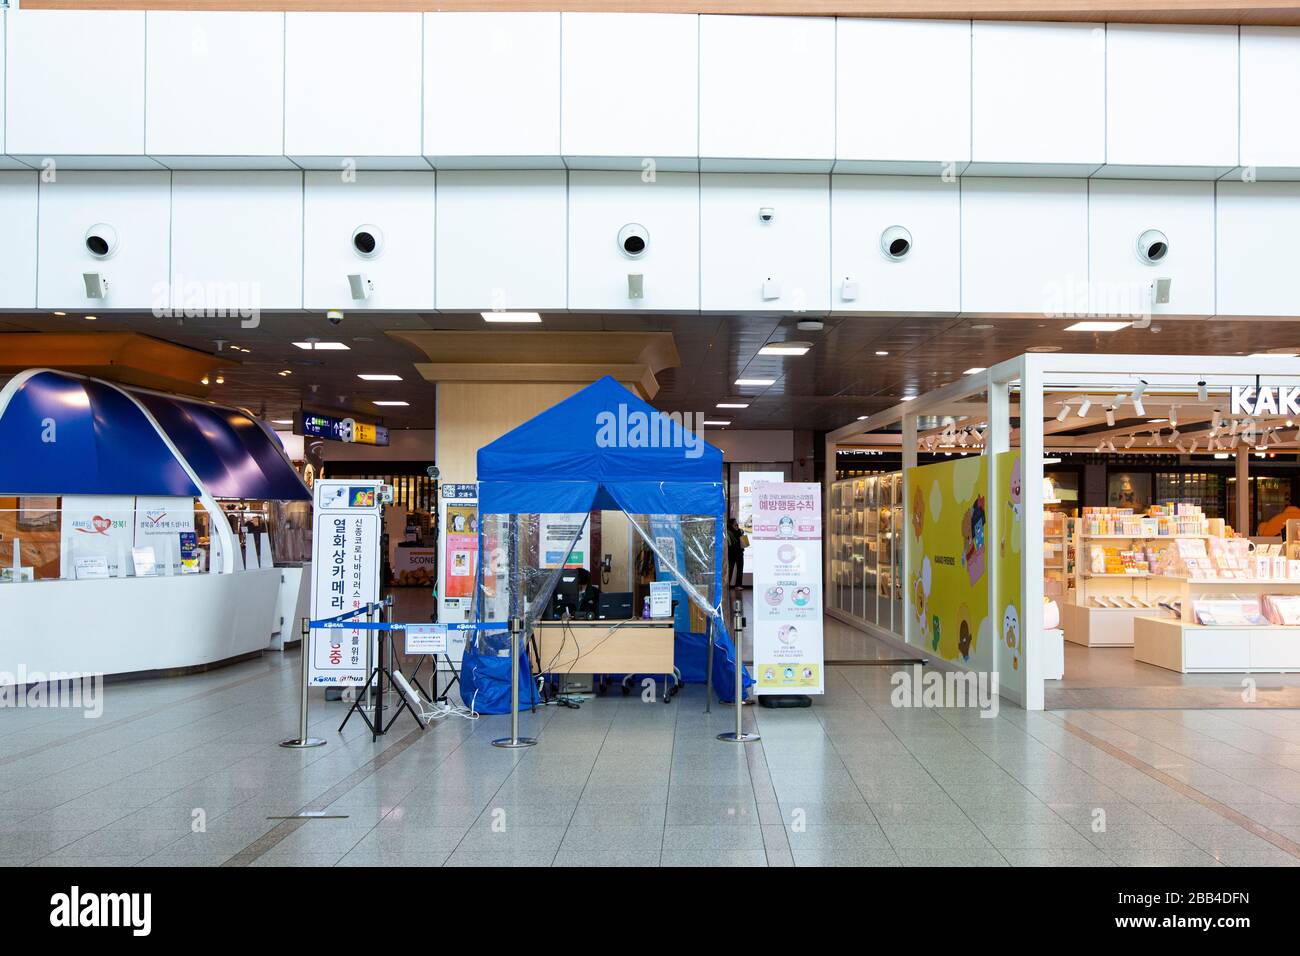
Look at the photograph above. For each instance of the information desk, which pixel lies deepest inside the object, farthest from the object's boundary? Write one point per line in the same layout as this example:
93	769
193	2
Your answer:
605	647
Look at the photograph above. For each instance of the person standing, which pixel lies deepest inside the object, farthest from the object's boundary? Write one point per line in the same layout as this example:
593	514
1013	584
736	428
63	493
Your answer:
735	553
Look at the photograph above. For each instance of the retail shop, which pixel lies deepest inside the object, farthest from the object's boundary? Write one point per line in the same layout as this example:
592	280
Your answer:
1076	524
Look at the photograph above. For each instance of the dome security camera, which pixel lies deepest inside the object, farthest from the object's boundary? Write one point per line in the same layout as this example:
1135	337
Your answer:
367	241
101	240
633	240
335	317
766	214
895	243
1152	246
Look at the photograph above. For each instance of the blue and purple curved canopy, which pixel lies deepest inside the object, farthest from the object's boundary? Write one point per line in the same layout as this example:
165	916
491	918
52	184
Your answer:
63	434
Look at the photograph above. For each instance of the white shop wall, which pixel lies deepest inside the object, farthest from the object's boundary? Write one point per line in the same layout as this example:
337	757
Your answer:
1038	97
767	92
130	210
398	209
492	89
74	88
862	277
199	89
18	240
1171	100
667	208
546	240
610	111
353	90
1118	212
502	239
902	95
214	89
749	263
1024	245
237	237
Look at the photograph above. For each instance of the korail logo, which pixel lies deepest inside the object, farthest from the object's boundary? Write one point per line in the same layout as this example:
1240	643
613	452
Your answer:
933	688
633	428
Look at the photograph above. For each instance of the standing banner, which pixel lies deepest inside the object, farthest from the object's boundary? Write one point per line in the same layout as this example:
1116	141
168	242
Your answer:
157	519
458	532
786	543
745	505
345	576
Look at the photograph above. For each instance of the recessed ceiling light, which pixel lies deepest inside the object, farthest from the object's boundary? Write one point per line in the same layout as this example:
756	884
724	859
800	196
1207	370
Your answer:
863	418
91	318
756	382
785	348
1097	326
717	423
60	313
1043	348
733	405
907	398
284	372
510	317
322	346
1156	421
393	404
975	371
282	421
378	377
881	352
982	327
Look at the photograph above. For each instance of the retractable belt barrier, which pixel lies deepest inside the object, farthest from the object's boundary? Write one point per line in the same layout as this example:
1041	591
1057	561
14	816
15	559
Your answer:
343	622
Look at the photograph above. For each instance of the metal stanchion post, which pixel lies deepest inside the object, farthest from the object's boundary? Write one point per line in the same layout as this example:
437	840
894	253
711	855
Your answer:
302	740
738	632
514	740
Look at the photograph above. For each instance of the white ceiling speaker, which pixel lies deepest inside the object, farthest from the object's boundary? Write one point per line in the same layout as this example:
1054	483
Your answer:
1152	246
895	243
101	240
360	285
367	241
633	240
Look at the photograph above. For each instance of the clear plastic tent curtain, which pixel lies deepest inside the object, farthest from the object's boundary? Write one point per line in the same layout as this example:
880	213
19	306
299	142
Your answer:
685	547
518	573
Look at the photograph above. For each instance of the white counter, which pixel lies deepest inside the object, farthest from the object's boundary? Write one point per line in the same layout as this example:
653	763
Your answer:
125	625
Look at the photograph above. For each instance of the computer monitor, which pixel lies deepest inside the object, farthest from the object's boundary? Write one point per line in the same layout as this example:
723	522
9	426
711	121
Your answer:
615	606
565	598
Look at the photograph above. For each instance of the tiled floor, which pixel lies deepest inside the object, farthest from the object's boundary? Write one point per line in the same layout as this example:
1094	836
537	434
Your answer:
186	771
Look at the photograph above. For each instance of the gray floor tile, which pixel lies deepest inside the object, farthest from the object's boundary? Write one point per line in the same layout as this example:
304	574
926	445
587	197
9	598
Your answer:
845	856
607	858
955	856
606	838
838	835
721	837
697	858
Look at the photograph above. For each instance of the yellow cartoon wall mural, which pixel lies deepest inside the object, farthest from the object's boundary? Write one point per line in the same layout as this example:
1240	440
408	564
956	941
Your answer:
946	557
1011	647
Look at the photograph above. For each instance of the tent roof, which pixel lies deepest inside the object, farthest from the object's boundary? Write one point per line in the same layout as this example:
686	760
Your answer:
67	435
603	433
232	454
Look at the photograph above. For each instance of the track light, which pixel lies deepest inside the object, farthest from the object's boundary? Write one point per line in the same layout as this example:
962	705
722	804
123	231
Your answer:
1173	416
1155	437
1202	392
1138	389
1065	410
1110	416
1232	432
1173	436
1084	406
1131	440
1138	407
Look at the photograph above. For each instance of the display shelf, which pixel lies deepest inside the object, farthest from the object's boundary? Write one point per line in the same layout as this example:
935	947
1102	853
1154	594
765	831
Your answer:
1195	648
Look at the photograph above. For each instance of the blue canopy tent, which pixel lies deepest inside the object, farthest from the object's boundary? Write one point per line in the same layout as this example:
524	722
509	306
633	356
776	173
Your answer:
604	448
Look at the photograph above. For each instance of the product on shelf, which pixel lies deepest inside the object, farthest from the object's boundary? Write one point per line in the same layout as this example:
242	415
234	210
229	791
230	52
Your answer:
1228	612
1283	609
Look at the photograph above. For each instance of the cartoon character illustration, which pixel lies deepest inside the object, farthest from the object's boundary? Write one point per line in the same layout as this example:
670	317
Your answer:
1011	634
965	636
921	592
918	511
936	632
1011	530
972	532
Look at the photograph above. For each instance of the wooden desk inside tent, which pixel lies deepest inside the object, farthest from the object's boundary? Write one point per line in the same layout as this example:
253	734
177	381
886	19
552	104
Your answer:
633	646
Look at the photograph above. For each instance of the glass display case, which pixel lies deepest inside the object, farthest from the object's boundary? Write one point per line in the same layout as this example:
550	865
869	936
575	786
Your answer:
865	564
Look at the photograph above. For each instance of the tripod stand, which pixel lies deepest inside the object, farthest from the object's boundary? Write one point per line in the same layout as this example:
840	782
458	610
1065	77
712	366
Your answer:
376	676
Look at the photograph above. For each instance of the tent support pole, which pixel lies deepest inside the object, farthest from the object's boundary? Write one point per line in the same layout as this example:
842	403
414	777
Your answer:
708	670
514	741
738	634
